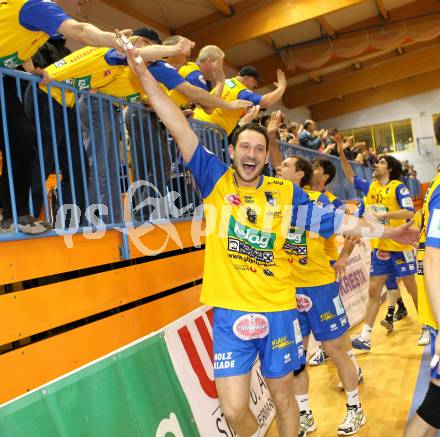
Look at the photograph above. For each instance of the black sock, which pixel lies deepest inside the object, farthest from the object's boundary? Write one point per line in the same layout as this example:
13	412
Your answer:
400	303
390	312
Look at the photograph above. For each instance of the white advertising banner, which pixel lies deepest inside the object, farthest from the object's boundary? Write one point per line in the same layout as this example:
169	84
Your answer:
189	343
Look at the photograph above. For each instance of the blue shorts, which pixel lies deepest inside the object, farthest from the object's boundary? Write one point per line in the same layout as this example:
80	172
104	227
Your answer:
321	311
397	264
391	283
433	334
239	336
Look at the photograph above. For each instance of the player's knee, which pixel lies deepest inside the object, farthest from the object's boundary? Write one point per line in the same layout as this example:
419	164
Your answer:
429	410
234	413
283	401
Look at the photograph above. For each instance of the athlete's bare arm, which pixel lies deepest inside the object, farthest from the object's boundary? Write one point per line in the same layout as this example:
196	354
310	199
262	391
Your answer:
346	167
271	98
171	116
276	119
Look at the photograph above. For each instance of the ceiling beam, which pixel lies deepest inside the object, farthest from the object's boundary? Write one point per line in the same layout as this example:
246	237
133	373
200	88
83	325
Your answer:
134	13
268	66
207	20
221	6
268	41
326	26
315	77
382	94
270	16
382	9
400	67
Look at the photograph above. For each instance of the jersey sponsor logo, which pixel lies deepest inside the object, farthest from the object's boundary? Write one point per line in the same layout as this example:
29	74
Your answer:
251	326
223	360
434	225
383	255
165	64
324	317
230	83
303	261
297	331
82	83
343	321
319	204
255	238
245	268
268	272
251	215
60	63
404	191
272	197
233	199
281	342
420	267
303	302
337	302
407	202
202	79
11	61
248	199
287	358
107	72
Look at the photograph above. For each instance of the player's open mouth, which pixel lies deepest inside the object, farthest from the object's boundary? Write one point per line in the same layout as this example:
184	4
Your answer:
249	166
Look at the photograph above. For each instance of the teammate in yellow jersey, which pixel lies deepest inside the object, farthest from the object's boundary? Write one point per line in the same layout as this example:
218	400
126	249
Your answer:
25	25
88	68
247	274
207	69
321	310
242	87
389	201
426	421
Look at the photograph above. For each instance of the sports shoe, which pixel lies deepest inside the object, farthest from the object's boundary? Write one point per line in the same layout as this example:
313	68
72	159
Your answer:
306	423
358	343
26	224
387	323
318	357
400	313
360	379
424	338
354	419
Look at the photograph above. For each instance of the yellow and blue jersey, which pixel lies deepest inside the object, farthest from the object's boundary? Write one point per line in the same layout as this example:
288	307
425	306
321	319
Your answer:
25	25
227	119
86	68
126	85
308	253
191	73
246	266
429	223
393	196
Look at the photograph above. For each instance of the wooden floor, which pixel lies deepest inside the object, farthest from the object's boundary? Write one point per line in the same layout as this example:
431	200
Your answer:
390	374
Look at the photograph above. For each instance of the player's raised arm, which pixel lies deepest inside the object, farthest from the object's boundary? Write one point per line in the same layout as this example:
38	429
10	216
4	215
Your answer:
171	116
276	119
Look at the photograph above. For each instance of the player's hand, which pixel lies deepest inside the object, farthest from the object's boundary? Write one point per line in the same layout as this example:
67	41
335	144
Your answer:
340	265
118	45
138	68
219	72
188	113
404	234
275	122
353	239
184	47
251	115
239	104
45	78
339	144
281	79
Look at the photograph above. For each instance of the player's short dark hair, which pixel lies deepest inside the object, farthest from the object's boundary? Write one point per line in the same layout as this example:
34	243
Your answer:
304	165
250	126
328	167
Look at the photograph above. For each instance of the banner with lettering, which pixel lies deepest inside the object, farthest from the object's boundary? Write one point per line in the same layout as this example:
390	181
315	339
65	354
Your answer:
189	342
354	283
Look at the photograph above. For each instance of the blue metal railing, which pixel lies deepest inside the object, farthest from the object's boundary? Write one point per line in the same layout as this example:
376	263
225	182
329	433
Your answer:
98	148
